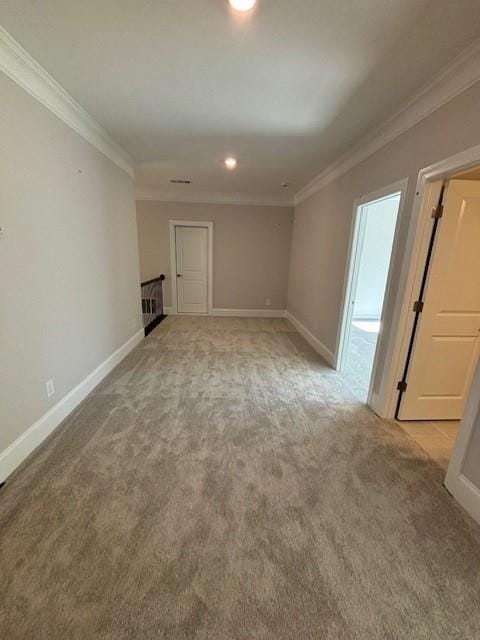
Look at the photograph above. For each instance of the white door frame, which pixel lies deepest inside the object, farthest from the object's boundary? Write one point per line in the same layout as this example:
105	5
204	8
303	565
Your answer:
351	274
413	263
172	224
467	494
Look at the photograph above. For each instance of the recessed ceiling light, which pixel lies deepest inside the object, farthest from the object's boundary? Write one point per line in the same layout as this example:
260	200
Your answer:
230	163
242	5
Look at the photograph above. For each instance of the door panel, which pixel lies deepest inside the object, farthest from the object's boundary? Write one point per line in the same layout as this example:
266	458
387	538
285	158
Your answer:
192	266
447	346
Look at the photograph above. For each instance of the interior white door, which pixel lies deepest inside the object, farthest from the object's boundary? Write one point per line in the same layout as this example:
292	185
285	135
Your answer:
447	345
192	269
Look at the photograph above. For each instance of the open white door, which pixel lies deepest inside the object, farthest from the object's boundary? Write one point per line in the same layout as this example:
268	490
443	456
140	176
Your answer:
463	477
447	343
192	269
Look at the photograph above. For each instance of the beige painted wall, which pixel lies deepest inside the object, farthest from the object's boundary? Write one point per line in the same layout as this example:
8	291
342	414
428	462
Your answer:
69	285
251	250
322	223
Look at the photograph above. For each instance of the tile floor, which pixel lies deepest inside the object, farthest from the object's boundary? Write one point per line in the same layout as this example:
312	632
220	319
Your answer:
436	438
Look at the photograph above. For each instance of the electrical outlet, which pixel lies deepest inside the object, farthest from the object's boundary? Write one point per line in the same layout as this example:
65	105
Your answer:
134	323
50	388
268	302
2	231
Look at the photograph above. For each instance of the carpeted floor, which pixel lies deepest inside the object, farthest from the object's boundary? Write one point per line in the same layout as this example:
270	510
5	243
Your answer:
224	484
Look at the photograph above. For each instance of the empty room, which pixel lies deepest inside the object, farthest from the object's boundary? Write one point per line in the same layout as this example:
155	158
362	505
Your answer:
240	320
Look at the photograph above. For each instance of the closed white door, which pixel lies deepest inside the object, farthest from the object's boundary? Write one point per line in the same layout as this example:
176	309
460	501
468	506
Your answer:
447	345
192	269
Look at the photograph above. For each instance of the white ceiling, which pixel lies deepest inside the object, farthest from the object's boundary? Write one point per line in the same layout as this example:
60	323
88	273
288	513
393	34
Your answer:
180	84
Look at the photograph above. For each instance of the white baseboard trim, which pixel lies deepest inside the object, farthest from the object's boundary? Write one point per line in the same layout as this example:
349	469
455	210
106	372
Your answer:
314	342
467	495
23	446
234	313
249	313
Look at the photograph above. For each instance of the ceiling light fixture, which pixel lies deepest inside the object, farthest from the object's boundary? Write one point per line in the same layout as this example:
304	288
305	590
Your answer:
230	163
242	5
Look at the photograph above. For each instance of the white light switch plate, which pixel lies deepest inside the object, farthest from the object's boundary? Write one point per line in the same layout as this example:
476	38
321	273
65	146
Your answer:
50	388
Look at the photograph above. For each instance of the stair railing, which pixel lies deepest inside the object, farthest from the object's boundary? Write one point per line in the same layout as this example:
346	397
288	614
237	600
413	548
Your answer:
152	303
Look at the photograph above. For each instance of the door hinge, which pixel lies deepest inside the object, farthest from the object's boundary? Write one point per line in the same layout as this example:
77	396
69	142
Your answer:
402	386
437	212
418	306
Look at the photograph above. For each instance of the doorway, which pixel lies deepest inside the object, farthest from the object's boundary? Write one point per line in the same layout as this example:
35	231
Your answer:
370	258
452	443
191	259
444	346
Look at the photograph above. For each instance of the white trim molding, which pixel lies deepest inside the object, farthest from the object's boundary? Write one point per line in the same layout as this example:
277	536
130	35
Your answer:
466	494
23	446
399	187
314	342
20	67
457	77
211	197
237	313
173	261
462	489
249	313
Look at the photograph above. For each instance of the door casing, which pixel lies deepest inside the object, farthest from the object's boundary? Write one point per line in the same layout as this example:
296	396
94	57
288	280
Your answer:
173	259
352	266
462	489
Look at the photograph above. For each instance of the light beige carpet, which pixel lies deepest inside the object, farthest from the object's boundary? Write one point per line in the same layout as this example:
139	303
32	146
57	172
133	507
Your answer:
223	484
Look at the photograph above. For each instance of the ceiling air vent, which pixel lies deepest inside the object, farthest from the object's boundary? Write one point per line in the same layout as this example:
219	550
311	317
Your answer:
181	181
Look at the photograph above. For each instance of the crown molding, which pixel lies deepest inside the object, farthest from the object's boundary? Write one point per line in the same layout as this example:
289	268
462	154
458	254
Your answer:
19	65
457	77
206	197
